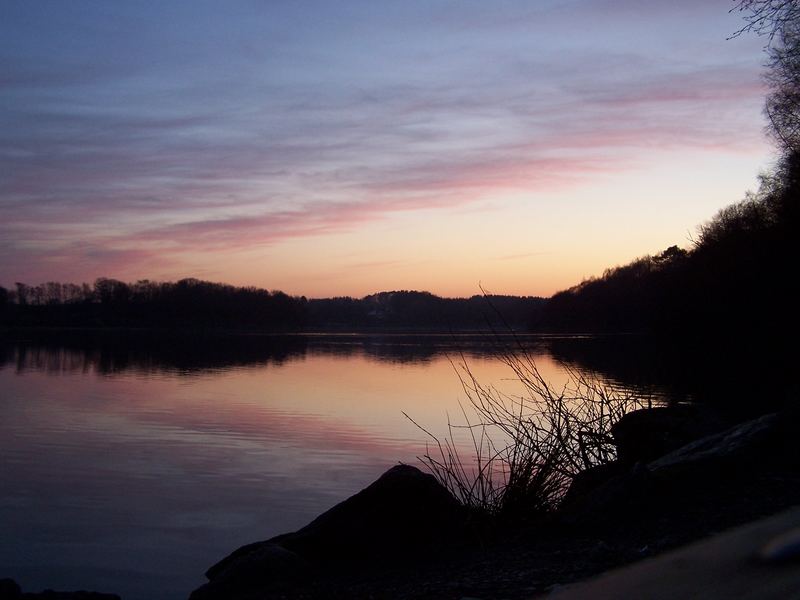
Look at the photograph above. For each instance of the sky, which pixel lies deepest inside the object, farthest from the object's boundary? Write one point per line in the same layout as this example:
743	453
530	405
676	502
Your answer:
344	148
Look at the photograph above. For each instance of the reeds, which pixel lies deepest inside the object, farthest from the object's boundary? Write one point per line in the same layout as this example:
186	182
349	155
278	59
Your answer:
526	448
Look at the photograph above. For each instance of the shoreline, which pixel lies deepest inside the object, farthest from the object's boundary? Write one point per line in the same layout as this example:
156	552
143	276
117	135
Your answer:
640	512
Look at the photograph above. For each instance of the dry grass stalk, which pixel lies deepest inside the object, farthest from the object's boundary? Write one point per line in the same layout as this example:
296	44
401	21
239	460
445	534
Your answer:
528	447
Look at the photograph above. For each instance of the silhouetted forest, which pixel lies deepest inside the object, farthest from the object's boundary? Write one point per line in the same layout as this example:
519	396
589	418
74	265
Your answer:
424	310
194	303
113	303
736	280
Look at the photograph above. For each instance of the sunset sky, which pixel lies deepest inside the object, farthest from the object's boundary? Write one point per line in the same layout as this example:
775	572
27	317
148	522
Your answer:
343	148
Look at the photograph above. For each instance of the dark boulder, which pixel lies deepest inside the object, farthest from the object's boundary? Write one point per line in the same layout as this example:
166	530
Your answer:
644	435
10	590
612	502
253	567
404	514
80	595
404	510
757	443
592	478
701	470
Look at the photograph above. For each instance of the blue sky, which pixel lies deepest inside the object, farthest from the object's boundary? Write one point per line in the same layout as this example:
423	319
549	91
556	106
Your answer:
346	147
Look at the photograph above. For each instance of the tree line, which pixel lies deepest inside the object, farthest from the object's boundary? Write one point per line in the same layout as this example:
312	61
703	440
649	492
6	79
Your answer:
195	303
737	278
110	302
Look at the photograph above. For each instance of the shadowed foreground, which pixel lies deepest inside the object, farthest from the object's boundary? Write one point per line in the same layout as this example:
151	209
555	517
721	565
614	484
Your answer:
758	560
403	537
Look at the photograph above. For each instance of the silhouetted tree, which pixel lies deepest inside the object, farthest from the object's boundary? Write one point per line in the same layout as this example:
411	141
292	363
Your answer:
767	17
111	291
779	21
22	293
191	303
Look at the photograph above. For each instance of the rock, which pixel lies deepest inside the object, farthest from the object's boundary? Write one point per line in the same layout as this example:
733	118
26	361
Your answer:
405	510
590	479
749	441
260	565
682	477
79	595
644	435
404	514
9	589
613	500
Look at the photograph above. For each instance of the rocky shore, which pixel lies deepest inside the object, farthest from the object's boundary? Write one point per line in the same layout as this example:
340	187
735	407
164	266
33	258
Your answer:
10	590
681	475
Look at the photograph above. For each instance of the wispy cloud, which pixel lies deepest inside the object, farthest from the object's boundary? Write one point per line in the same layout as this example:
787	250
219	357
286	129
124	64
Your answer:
229	147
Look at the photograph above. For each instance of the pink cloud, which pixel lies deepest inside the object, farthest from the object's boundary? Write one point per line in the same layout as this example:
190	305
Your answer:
114	193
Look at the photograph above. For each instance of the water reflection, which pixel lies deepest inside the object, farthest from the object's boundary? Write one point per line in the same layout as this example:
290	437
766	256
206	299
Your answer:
110	353
143	352
130	463
740	380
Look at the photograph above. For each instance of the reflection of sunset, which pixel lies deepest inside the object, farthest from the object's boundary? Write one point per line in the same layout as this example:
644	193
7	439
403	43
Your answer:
109	442
356	397
347	405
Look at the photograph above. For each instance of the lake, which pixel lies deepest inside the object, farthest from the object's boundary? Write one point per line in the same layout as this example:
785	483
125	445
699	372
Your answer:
130	463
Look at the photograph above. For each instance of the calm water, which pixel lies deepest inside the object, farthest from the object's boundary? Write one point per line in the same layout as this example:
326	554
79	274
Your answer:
131	465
